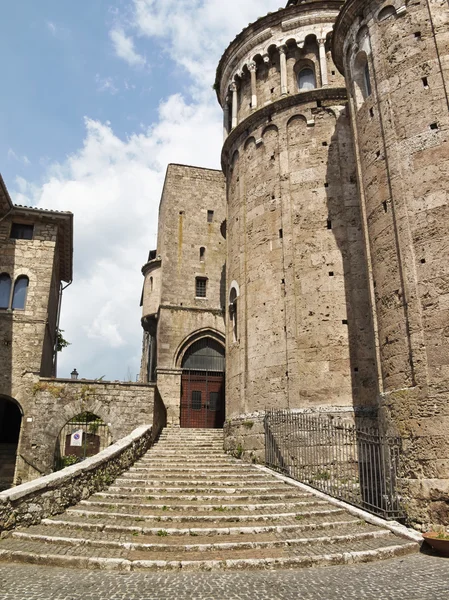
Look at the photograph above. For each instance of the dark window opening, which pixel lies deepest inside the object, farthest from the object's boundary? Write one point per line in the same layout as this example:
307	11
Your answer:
306	80
324	143
196	401
345	321
5	290
214	401
19	231
210	216
326	185
333	72
417	34
367	80
20	293
371	112
425	83
434	126
331	273
281	233
202	254
200	287
423	261
385	205
329	224
318	103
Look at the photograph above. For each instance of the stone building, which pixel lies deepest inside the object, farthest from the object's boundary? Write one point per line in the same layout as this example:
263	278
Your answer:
335	159
183	299
316	262
35	262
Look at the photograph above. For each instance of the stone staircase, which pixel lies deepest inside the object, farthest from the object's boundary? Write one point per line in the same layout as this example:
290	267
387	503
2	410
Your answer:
188	505
7	465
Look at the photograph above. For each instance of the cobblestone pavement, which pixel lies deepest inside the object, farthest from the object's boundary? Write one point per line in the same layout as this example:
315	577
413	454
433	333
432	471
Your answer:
410	578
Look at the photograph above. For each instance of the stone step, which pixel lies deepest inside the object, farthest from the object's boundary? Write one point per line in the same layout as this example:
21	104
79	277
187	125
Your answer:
192	470
191	481
194	497
201	507
311	523
348	534
195	518
141	491
276	557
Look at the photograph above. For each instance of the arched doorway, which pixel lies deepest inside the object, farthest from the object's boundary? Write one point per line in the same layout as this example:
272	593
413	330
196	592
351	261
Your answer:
10	424
203	385
83	436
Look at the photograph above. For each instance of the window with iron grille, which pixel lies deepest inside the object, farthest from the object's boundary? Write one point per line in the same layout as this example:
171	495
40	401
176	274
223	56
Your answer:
196	400
210	216
214	398
200	287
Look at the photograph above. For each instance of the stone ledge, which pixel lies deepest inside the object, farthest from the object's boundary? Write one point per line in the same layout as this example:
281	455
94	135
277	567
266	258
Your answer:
29	503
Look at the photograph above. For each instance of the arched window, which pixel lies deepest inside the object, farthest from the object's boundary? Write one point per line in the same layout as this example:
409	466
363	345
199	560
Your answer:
306	79
20	293
362	79
367	79
5	290
233	312
386	13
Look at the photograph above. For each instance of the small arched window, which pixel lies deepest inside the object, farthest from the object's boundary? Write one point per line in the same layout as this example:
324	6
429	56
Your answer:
20	293
306	79
367	79
233	313
362	79
386	13
5	290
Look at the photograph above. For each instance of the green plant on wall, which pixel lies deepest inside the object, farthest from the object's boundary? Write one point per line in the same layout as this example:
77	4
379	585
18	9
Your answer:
61	342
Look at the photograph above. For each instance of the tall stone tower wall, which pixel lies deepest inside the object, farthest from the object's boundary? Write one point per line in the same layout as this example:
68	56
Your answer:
299	332
395	57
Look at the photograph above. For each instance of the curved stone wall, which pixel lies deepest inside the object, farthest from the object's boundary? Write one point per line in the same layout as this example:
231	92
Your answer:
299	331
395	59
264	62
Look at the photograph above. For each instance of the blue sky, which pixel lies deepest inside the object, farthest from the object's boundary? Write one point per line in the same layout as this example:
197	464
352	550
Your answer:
98	97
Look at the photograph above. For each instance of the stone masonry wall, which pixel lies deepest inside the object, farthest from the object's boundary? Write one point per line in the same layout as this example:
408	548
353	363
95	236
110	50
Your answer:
22	332
296	250
29	503
401	125
53	402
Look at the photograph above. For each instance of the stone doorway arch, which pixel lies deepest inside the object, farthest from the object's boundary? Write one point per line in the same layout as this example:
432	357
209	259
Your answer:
10	428
203	385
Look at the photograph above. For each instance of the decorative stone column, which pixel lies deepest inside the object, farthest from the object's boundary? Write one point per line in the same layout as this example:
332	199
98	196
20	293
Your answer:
226	118
252	69
283	60
233	88
323	62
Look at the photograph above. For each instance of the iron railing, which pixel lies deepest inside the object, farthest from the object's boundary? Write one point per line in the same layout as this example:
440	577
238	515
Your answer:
93	437
348	462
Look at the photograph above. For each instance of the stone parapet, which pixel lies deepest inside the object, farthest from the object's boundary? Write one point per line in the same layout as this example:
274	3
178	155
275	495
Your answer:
29	503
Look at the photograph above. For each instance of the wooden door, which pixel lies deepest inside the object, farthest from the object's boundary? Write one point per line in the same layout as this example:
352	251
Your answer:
202	400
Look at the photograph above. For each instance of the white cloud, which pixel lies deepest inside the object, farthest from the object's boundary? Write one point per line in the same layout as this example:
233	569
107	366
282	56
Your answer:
195	34
51	27
124	48
23	159
106	84
113	185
